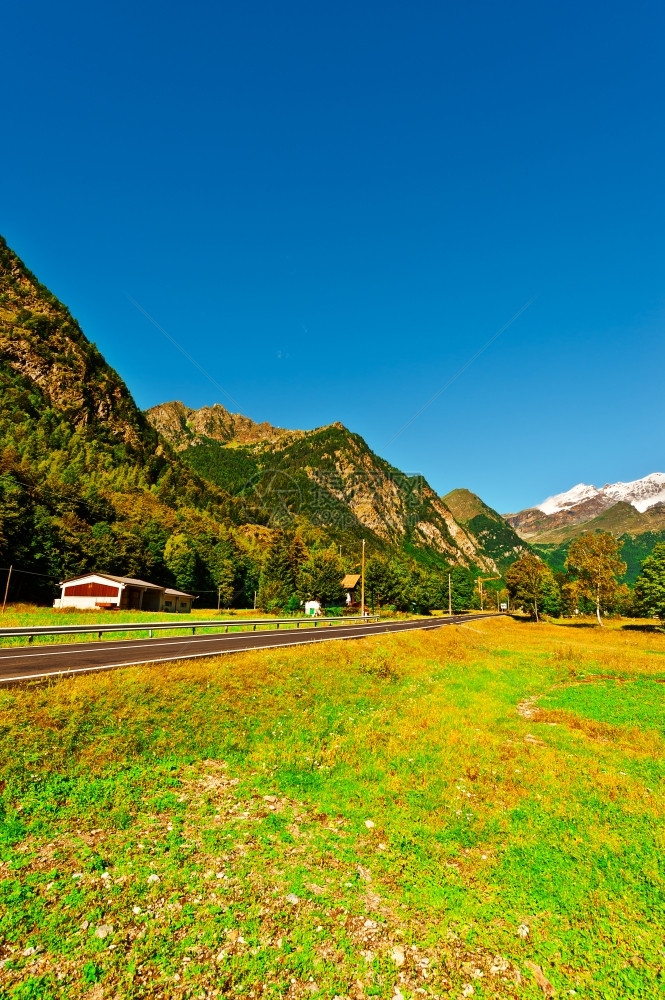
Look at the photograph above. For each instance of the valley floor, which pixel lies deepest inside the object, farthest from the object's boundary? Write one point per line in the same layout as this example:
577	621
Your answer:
475	811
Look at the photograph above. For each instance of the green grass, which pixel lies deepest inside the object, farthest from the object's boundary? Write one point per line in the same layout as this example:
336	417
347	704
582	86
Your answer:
420	798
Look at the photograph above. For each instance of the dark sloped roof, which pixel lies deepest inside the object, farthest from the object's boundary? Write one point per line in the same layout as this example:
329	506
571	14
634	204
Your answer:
178	593
128	581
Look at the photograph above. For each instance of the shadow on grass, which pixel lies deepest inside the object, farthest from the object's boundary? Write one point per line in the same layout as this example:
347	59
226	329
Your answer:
643	628
575	624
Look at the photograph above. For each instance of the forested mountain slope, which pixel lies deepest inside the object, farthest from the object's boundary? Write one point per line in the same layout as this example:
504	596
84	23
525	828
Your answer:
86	482
496	537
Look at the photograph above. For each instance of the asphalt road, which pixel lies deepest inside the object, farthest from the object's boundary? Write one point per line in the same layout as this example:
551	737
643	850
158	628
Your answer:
29	663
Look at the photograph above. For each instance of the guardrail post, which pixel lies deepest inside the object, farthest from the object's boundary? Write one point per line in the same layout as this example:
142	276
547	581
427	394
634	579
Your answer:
226	628
254	629
99	635
150	633
193	630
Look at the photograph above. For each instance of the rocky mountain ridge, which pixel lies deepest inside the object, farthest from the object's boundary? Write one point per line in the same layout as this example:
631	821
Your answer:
185	427
328	475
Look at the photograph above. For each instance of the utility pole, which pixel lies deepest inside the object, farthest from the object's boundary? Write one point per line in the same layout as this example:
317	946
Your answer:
9	576
362	583
450	596
255	600
219	598
480	588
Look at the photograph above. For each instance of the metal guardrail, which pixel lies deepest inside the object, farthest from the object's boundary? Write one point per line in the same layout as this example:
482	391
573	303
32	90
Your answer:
100	628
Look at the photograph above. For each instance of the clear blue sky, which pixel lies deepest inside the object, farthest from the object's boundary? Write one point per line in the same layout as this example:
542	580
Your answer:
332	207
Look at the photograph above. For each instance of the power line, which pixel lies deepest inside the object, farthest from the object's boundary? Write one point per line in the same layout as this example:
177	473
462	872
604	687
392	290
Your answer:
29	572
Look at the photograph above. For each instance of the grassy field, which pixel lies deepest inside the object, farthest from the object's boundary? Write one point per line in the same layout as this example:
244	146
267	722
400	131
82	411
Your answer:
474	811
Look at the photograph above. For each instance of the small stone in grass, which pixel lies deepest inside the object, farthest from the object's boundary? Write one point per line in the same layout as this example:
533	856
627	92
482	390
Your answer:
292	898
369	823
136	909
153	878
523	931
397	955
103	931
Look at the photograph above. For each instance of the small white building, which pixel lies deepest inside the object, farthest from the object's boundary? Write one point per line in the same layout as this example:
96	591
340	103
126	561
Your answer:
103	590
312	608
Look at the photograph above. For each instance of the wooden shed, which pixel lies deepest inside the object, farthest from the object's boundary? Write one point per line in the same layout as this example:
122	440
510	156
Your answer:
349	583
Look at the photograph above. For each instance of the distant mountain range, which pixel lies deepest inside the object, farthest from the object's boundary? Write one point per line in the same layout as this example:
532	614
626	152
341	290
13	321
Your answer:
641	493
633	512
633	508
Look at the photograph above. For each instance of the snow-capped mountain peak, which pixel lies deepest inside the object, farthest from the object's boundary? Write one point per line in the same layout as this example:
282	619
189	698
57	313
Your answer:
564	501
641	493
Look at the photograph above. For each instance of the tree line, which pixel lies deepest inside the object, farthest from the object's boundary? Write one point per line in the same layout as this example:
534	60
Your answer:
590	582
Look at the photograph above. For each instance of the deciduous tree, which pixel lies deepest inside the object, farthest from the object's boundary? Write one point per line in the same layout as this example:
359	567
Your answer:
531	584
593	559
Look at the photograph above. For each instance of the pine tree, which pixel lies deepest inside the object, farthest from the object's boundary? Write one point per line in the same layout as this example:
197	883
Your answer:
650	585
277	582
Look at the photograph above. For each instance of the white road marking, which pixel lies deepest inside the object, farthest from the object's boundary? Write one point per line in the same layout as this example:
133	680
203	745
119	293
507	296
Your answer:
216	652
126	644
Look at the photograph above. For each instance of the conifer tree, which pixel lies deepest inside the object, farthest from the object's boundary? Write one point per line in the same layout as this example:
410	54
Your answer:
277	582
650	584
